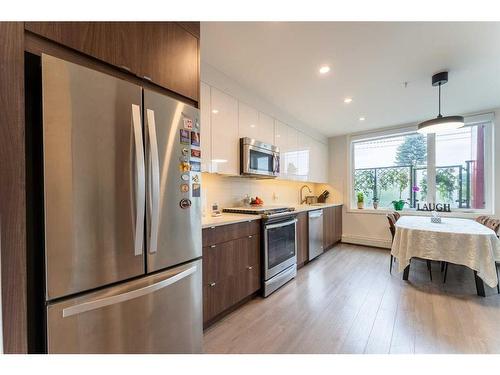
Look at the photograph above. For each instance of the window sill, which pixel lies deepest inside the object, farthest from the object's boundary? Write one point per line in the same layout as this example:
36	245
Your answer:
407	212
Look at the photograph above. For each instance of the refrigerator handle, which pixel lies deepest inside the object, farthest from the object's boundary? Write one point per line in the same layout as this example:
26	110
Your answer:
112	300
140	192
154	186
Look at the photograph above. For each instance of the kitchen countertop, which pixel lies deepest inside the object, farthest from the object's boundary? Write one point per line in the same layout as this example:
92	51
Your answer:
228	218
224	219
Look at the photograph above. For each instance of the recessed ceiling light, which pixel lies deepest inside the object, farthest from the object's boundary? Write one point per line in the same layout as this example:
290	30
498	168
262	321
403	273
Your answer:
324	69
215	111
347	100
361	119
252	125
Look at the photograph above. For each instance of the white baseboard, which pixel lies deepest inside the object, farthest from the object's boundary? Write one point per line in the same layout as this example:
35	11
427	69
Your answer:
366	241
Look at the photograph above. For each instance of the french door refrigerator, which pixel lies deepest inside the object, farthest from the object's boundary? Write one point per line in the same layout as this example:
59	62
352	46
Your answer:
122	216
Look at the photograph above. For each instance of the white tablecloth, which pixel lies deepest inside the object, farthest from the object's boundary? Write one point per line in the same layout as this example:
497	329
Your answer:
459	241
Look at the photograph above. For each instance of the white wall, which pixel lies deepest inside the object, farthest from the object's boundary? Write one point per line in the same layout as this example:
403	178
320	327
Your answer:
370	228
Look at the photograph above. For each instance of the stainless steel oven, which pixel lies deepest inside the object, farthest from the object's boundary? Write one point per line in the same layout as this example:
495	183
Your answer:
280	250
259	159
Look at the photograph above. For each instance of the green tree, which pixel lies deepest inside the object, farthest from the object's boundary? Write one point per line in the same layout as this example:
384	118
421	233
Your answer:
413	151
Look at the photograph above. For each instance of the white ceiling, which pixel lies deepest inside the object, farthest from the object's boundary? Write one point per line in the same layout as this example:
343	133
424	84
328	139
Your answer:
370	62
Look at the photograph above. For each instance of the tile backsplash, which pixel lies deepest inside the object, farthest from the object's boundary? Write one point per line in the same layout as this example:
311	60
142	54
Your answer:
229	191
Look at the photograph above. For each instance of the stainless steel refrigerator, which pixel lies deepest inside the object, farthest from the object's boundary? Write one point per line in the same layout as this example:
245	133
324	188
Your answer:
122	215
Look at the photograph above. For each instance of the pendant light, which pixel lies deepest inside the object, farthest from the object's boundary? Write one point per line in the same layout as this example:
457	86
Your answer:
440	123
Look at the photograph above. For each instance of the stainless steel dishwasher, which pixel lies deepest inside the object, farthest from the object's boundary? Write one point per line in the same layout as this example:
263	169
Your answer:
315	233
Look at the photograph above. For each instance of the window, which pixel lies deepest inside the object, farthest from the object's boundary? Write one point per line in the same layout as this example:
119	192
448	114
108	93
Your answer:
396	166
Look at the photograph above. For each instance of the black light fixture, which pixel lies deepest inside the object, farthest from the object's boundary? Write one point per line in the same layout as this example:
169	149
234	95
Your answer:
440	123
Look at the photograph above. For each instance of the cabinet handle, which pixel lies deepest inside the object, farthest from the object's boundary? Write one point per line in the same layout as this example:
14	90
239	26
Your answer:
249	268
212	227
250	236
213	246
125	68
147	78
212	284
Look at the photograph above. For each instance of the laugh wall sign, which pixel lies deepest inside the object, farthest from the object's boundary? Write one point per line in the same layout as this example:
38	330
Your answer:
439	207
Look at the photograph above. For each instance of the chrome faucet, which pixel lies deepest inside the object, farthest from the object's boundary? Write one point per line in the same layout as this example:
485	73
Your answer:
302	201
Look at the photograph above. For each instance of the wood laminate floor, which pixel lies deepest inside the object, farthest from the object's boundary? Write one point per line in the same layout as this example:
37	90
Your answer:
347	302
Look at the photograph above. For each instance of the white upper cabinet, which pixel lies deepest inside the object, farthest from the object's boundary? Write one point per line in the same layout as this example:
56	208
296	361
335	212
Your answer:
286	139
248	121
304	150
225	138
205	131
224	120
324	161
265	129
318	161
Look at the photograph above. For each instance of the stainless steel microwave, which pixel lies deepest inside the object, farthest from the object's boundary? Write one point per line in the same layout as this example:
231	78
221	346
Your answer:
259	159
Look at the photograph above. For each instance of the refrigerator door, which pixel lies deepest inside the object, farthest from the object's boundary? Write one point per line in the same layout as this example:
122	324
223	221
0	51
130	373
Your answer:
161	313
94	178
173	172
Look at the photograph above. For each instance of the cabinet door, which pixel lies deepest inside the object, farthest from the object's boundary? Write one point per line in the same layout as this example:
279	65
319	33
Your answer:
248	252
117	43
324	163
206	141
328	226
302	238
248	282
338	224
218	296
304	146
248	278
318	161
266	129
219	261
248	122
170	57
286	139
225	141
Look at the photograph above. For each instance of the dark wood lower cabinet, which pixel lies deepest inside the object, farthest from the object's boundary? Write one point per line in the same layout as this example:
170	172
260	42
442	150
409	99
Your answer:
302	238
231	269
332	226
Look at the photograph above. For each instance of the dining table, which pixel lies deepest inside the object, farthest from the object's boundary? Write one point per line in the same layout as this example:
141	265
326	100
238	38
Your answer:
453	240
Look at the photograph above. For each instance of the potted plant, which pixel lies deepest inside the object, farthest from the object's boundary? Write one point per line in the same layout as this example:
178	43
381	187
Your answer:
399	204
361	200
375	203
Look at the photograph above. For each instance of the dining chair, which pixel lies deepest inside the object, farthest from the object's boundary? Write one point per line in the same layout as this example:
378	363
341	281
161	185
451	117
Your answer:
482	219
493	224
392	227
392	218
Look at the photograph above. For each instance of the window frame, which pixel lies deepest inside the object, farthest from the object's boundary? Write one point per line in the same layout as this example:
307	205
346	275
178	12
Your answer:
431	160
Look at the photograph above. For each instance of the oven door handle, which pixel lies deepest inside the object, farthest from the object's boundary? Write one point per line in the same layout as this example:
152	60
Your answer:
283	224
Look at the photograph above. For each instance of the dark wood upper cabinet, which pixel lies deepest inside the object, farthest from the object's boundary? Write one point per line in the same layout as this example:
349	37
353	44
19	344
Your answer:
171	57
165	53
116	43
192	27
